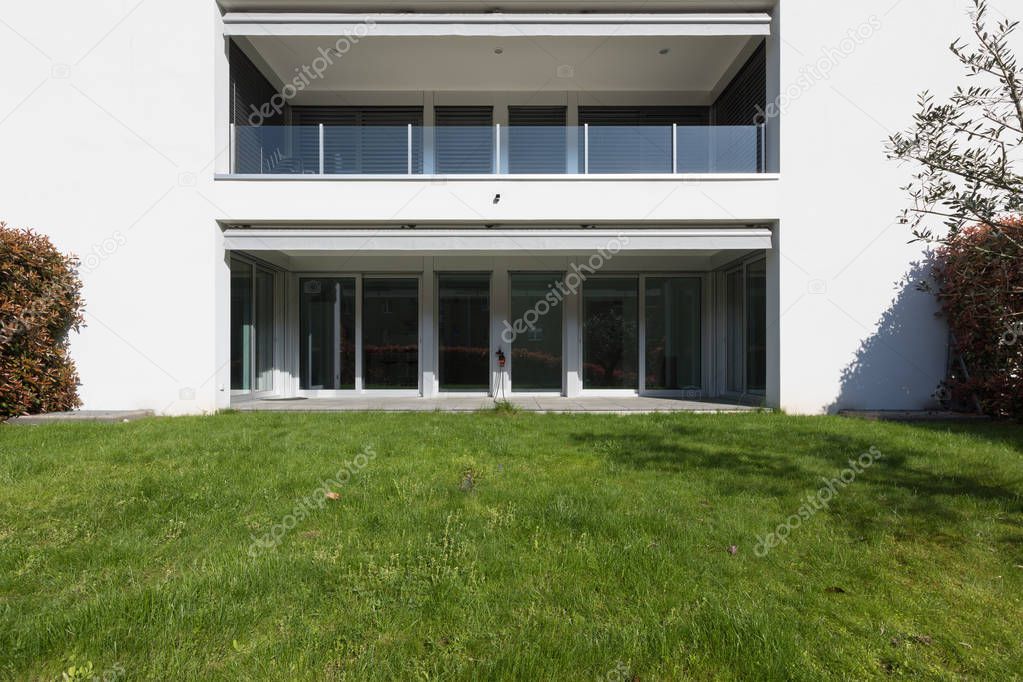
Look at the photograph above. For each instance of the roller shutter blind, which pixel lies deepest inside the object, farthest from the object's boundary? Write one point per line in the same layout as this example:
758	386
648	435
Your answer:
537	139
250	91
465	140
740	106
360	140
635	139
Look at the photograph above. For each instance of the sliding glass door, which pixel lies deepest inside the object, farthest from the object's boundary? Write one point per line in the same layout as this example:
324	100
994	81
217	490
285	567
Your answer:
673	333
746	328
463	332
327	321
390	332
611	333
537	350
252	326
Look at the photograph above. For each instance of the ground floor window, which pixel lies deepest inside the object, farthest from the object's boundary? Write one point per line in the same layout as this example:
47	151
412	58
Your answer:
537	352
252	326
463	331
390	332
327	321
674	327
611	333
746	327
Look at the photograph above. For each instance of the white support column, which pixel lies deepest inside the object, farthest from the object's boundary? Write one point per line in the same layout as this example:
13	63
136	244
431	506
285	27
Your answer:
573	344
502	121
500	310
321	149
573	160
428	330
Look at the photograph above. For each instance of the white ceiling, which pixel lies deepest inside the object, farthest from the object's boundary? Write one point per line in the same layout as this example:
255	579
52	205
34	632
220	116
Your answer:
464	64
496	5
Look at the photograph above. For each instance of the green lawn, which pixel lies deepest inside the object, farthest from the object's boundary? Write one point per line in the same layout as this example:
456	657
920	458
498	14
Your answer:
577	547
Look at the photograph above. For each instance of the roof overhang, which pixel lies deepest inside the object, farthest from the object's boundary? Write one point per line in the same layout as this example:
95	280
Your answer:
390	241
482	25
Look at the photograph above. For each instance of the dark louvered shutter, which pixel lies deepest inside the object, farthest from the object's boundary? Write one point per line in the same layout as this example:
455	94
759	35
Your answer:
536	139
361	140
258	138
739	145
635	139
465	140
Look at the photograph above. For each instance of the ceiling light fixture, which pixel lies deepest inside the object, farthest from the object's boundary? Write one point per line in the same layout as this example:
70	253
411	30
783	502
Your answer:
499	50
664	50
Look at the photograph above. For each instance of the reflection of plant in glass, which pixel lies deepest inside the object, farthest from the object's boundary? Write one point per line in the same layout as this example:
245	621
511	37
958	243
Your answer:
609	337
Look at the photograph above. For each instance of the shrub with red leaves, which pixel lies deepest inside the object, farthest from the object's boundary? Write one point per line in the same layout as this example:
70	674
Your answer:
40	303
979	272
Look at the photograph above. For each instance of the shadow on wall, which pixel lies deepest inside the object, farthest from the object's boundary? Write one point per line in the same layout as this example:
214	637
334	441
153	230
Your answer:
900	366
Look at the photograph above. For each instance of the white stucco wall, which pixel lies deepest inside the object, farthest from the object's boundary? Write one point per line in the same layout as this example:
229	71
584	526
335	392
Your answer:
108	120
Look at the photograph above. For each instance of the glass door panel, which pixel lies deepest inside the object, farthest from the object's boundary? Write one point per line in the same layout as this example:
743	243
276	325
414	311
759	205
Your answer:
241	325
734	330
327	321
463	332
537	351
264	329
610	333
673	333
390	333
756	326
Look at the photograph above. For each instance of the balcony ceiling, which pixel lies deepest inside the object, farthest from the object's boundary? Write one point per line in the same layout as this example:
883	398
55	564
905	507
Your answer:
508	6
469	64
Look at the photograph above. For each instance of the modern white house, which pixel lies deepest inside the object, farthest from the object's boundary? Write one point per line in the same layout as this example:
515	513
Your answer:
342	198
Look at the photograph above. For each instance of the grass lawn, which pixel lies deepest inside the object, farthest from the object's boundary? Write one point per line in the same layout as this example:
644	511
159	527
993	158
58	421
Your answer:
509	546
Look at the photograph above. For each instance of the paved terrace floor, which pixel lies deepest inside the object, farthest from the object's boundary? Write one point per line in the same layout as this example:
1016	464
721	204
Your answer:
623	405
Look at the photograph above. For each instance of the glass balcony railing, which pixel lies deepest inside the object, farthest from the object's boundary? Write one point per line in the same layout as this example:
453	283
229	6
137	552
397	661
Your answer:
493	150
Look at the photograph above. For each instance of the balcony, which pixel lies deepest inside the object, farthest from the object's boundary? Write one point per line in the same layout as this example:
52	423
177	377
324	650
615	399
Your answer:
413	150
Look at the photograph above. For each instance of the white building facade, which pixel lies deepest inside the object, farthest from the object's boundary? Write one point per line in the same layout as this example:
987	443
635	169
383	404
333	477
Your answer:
330	198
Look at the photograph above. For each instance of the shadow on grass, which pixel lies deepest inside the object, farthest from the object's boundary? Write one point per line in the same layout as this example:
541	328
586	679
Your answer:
794	461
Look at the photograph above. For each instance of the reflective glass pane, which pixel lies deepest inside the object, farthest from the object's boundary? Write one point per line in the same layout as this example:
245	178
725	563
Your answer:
327	321
390	332
264	329
673	333
756	326
610	333
536	349
463	332
241	326
734	330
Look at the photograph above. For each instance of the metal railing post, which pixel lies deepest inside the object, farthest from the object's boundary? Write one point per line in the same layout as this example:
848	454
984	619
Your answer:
497	149
410	149
674	147
586	149
321	149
